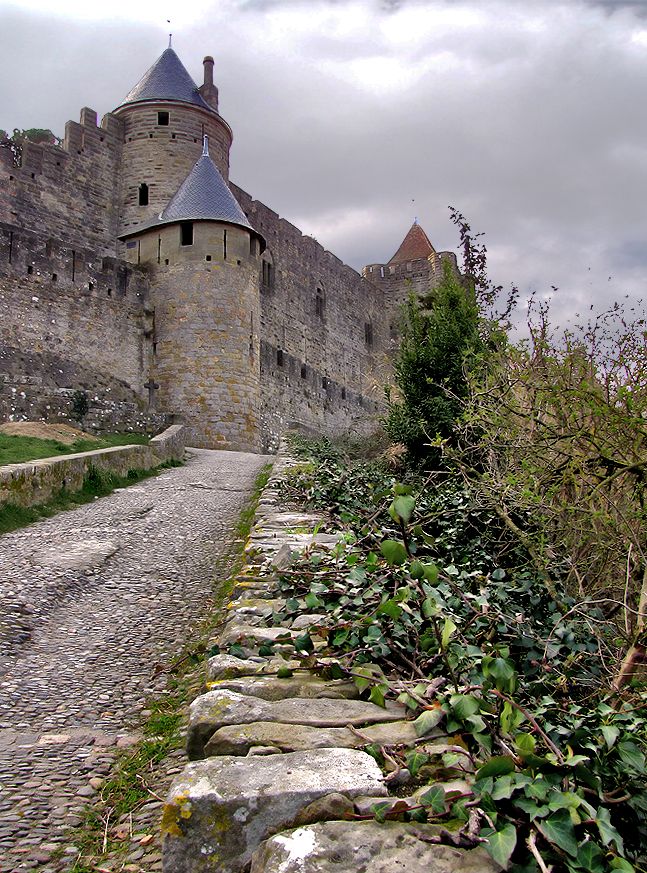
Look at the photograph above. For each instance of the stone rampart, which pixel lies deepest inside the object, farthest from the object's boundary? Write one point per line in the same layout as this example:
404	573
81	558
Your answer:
35	482
324	332
72	320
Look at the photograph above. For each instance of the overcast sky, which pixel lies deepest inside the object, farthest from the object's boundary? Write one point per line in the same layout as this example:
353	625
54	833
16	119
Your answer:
351	117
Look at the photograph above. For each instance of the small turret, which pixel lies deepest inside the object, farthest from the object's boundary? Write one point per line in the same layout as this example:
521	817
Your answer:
208	90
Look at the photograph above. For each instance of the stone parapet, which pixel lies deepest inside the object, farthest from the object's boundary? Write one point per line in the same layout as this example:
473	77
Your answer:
35	482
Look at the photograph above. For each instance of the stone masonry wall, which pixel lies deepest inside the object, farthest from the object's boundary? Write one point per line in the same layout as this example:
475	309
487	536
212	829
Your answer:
71	320
68	193
324	329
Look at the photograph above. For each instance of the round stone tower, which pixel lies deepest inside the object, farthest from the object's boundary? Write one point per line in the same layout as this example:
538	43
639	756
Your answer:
204	259
165	118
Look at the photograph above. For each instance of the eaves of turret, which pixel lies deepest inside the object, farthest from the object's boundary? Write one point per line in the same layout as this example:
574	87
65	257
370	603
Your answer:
203	196
167	80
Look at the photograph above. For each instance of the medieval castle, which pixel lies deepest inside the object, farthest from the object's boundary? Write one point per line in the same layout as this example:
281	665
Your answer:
136	276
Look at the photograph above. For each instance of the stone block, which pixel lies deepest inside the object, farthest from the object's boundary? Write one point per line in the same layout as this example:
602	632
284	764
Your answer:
229	667
366	847
218	811
240	739
305	686
214	710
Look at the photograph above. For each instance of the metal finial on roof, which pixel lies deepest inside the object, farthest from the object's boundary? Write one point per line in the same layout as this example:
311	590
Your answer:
205	146
170	40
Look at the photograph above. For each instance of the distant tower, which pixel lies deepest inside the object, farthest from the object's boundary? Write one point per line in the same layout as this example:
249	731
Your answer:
416	267
165	117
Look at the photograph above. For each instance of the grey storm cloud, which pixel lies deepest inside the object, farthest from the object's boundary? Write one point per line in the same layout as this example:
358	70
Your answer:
351	117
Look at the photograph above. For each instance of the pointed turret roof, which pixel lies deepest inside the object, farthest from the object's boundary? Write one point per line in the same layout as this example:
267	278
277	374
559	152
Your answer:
203	196
167	79
416	244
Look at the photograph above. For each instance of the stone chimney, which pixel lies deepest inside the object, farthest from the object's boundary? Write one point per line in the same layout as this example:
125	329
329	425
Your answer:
208	90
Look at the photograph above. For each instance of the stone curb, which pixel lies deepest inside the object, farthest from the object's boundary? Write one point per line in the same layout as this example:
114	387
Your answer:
235	806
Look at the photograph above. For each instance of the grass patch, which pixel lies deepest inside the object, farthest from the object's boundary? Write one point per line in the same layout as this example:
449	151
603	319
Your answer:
129	786
18	449
98	483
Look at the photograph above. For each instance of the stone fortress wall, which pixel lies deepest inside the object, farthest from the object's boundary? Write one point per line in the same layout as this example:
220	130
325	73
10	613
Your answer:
249	345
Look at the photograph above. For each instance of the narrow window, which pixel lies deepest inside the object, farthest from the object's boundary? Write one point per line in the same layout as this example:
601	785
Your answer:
54	277
343	393
139	251
186	233
252	247
90	286
143	194
319	303
30	270
324	383
304	371
159	249
163	119
224	244
279	357
207	257
109	292
73	264
10	244
368	334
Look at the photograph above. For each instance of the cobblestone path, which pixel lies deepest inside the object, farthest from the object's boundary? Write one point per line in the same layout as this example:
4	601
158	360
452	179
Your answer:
91	601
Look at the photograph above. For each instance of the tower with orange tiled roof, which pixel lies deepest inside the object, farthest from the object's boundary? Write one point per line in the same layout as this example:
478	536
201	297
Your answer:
415	267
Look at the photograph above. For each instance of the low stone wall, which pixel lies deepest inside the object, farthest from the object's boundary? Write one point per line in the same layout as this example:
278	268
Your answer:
36	481
278	780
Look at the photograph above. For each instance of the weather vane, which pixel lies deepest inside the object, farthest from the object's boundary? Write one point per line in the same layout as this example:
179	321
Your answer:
170	36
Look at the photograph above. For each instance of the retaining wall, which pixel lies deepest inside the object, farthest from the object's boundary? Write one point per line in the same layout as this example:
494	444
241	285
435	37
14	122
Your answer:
278	781
37	481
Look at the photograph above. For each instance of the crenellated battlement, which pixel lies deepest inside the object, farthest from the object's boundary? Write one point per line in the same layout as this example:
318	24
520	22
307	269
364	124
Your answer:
69	189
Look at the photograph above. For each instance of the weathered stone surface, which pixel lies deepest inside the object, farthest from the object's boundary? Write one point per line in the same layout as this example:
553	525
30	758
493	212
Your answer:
365	847
240	738
230	667
254	607
218	811
215	709
306	620
241	632
78	690
328	808
303	685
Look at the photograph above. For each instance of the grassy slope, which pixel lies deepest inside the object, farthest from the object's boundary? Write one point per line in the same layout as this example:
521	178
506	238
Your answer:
17	449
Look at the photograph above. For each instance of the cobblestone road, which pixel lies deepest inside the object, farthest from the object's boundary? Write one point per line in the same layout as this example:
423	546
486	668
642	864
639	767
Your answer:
90	602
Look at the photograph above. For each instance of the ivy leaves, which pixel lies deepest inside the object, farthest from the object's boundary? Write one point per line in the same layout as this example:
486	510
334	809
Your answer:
427	601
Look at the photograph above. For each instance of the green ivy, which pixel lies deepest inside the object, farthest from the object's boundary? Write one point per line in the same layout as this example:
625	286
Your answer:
428	599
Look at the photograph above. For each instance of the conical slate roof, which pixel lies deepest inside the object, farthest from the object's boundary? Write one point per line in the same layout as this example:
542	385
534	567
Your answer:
203	196
416	244
167	79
